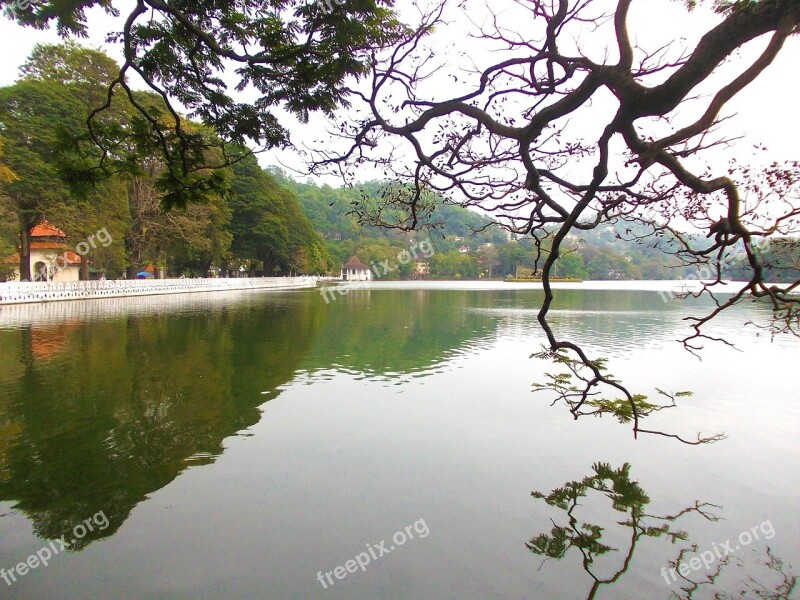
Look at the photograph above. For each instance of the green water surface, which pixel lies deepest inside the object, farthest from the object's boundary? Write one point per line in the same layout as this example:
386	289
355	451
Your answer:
240	444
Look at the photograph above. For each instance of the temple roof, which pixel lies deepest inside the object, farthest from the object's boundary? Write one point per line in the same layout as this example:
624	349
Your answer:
44	229
355	264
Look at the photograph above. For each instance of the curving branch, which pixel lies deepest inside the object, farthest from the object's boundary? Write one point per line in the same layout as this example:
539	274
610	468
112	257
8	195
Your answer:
505	145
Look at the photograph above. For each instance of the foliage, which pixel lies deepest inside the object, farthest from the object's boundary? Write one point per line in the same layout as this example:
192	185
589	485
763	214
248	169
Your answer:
132	197
626	497
295	56
268	225
28	112
595	254
582	385
454	265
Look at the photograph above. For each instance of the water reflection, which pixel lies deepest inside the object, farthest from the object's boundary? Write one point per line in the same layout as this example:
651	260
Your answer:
104	402
96	415
758	573
393	333
622	322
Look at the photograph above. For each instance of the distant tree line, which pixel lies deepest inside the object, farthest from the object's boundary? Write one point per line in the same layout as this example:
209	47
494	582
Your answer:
470	246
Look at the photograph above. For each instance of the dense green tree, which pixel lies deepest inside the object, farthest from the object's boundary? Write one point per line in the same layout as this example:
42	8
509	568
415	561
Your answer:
195	234
131	202
511	256
83	75
202	238
571	265
126	204
86	72
28	112
268	227
454	265
489	259
8	229
601	263
332	210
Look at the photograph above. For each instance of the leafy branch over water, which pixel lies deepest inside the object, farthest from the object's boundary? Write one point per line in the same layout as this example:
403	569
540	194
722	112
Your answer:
580	389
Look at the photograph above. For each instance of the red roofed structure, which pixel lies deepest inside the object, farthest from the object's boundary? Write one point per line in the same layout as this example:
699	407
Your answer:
50	256
44	229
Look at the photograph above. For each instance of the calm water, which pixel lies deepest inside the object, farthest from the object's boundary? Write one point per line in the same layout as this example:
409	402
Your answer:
235	445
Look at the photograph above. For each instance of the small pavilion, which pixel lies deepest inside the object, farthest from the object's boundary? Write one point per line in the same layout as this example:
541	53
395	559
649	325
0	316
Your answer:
355	270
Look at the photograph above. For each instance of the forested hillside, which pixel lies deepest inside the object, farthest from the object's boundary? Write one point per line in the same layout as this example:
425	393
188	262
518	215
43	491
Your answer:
469	245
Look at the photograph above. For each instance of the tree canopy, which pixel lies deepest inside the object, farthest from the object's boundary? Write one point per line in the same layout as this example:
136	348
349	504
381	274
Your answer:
139	205
297	57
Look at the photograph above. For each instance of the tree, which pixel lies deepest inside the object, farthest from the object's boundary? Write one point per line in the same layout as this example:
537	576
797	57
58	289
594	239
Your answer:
295	55
6	174
511	257
200	237
503	142
84	74
572	265
85	71
605	264
28	111
126	202
268	226
192	237
7	229
454	265
488	258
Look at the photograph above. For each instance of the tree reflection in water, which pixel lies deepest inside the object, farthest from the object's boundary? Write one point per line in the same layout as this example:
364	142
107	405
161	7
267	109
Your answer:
628	498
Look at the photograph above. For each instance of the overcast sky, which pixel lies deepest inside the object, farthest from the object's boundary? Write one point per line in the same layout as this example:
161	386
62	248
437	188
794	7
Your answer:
767	111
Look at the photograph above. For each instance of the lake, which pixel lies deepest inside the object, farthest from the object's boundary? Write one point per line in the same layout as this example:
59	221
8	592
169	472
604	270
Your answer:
386	444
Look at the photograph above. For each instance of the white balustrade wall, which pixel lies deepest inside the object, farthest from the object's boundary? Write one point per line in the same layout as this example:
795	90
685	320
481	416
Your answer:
25	292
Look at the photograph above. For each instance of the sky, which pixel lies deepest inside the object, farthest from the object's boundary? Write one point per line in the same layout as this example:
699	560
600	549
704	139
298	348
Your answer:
765	112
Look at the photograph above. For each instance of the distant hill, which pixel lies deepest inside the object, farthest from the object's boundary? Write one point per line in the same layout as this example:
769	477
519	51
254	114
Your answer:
470	245
329	210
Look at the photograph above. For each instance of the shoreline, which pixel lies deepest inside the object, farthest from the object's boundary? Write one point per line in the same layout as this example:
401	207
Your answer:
41	292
